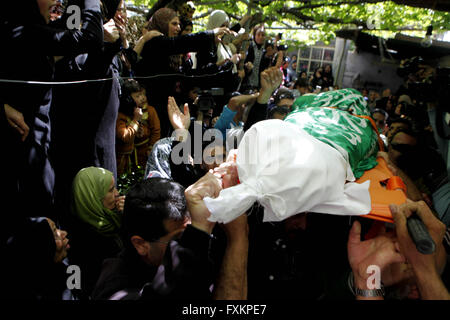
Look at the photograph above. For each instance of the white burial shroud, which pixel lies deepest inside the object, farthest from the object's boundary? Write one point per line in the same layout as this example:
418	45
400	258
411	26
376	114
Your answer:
288	172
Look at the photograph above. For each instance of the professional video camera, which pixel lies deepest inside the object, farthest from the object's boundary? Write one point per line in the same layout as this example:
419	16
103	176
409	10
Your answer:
206	99
426	83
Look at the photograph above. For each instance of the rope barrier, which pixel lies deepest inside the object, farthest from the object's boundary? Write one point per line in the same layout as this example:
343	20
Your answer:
175	75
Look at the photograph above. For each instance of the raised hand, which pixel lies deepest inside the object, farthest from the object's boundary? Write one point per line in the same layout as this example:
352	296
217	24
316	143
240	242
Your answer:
207	186
121	24
270	79
380	251
220	32
120	203
178	119
228	173
110	31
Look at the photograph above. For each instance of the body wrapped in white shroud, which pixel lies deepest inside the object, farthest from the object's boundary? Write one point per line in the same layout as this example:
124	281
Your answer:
289	172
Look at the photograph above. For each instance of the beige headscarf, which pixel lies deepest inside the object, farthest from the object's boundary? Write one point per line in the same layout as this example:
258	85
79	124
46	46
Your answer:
160	20
216	20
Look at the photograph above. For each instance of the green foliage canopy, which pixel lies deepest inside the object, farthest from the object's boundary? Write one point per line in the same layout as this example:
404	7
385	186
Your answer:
305	22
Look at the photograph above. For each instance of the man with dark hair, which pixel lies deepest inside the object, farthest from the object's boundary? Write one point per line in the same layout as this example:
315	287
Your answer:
397	123
284	98
424	165
283	101
151	264
380	117
166	257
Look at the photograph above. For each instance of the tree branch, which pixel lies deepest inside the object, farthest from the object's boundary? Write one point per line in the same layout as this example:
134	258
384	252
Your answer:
158	5
136	9
202	15
208	3
336	4
295	12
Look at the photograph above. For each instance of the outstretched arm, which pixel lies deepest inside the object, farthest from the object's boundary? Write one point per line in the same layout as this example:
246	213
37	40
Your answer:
61	42
270	80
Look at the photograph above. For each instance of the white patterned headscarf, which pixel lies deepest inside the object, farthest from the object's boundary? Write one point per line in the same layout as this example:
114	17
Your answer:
217	19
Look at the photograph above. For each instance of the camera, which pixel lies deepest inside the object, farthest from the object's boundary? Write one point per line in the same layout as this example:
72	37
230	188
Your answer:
206	98
425	84
409	66
228	38
282	47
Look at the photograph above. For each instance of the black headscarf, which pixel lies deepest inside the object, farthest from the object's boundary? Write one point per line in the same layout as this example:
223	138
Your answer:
34	241
28	267
23	12
109	8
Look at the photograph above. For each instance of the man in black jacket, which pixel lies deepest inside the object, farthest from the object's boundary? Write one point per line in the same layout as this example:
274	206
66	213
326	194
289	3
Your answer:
164	255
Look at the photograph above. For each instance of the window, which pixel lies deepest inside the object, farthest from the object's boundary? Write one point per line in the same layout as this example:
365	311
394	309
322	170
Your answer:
312	58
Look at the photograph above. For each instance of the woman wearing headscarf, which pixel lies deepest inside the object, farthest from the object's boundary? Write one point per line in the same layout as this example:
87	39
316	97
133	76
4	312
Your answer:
96	220
161	56
328	76
29	46
223	53
256	60
222	57
33	266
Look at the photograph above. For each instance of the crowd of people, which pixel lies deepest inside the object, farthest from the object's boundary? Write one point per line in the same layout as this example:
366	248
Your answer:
88	105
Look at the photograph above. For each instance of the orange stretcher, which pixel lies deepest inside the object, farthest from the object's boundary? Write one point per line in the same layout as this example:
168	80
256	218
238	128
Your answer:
385	189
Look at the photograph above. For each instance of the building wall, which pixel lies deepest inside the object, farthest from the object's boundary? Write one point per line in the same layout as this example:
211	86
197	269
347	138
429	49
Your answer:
367	70
358	70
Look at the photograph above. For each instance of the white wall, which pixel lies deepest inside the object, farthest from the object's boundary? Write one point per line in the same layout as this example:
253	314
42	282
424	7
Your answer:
367	70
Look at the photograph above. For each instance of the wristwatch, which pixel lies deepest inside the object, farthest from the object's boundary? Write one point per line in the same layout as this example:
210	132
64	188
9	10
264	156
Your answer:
364	293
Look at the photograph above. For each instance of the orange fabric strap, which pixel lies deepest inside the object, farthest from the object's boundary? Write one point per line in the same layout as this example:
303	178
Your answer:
396	182
374	127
